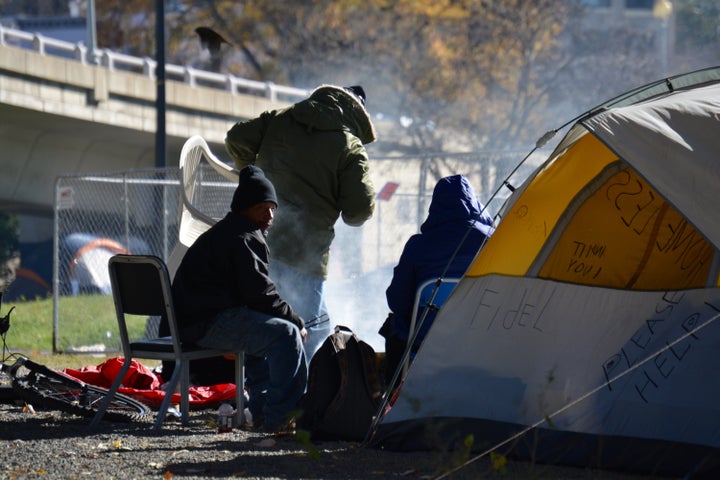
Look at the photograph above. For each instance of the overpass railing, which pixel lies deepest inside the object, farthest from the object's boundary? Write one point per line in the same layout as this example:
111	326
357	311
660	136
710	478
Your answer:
147	66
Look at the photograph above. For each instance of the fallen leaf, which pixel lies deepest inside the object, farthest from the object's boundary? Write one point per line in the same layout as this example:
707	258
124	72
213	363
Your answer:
168	475
117	444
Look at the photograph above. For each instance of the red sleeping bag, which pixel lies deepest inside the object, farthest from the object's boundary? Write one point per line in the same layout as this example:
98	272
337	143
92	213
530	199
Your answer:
143	384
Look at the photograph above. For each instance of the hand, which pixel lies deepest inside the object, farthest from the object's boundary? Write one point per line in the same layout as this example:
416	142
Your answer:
303	334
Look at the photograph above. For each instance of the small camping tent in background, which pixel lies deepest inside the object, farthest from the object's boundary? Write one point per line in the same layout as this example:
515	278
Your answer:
585	332
85	261
28	285
33	278
82	266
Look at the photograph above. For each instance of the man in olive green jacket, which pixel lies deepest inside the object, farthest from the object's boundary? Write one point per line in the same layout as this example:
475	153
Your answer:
314	154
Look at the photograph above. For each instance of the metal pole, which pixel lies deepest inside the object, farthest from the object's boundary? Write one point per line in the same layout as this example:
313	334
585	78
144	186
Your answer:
56	268
160	137
663	9
91	32
664	48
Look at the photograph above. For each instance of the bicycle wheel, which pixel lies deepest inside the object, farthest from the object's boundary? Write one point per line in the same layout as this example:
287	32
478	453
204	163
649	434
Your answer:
47	388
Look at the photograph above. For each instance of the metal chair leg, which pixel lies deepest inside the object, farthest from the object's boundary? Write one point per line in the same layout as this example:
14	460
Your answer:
111	393
240	388
169	390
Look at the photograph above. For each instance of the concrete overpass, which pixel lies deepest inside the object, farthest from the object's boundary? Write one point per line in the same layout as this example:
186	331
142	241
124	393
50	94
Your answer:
61	114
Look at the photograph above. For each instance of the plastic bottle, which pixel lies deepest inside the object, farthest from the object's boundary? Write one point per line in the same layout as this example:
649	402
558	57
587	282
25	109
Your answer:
225	418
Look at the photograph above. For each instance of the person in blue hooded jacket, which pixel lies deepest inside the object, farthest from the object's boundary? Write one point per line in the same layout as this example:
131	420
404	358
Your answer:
456	221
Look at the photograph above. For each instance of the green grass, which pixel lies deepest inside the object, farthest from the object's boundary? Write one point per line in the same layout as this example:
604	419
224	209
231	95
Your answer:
83	320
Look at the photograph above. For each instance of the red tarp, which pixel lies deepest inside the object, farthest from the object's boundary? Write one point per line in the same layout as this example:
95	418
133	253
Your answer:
143	384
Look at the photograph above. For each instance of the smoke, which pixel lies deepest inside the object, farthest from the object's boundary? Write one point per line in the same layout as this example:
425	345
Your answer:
355	288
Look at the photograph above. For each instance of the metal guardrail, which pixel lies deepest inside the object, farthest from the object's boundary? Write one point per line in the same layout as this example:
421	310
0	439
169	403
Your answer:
146	66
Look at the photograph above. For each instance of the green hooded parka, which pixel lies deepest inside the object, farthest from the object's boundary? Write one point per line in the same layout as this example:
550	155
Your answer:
314	154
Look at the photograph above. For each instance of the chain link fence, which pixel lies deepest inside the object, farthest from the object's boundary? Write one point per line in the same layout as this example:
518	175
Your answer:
97	216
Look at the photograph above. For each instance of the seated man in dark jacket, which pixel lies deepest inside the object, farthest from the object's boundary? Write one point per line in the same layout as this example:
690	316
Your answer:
455	226
225	299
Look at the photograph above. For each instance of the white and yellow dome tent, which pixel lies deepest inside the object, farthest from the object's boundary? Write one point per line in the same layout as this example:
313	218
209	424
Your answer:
586	331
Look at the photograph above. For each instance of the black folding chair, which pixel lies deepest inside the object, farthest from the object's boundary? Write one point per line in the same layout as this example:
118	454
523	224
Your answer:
141	286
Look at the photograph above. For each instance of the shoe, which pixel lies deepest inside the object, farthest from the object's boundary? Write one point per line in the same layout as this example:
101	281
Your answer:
173	413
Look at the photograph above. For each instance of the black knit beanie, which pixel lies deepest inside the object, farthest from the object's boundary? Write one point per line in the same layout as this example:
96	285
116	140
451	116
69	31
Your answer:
253	188
358	91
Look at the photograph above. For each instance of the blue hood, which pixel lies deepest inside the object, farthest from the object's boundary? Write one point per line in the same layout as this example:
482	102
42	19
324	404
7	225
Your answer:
454	200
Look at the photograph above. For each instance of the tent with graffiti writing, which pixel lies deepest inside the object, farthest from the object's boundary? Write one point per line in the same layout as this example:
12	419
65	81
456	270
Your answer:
585	332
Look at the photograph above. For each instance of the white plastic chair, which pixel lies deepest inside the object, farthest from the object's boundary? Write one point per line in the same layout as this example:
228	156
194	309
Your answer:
208	185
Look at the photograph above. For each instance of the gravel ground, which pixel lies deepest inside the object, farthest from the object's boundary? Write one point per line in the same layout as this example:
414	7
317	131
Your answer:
53	445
